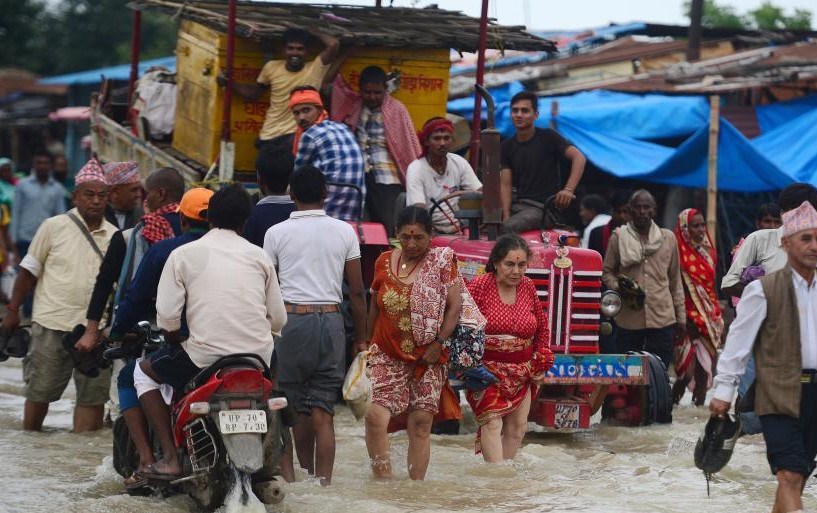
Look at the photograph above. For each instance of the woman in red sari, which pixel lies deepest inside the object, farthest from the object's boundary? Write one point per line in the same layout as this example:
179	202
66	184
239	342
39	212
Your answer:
415	307
696	354
517	349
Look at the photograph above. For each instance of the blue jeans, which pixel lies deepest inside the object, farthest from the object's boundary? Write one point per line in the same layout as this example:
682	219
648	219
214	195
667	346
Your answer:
750	421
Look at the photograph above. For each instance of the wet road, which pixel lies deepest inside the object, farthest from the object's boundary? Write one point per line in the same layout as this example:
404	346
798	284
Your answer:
608	469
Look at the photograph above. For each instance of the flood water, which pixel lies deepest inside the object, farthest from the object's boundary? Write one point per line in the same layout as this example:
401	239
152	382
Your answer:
608	469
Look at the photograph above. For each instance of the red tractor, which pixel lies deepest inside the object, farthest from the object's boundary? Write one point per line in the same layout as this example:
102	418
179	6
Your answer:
568	281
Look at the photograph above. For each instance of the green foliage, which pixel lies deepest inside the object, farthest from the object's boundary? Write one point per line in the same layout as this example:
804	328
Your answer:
75	35
771	17
768	16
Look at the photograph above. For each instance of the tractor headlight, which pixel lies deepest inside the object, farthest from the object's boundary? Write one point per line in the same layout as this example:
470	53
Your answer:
610	304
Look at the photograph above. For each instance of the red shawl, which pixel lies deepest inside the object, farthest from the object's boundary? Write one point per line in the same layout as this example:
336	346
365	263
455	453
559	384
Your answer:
401	139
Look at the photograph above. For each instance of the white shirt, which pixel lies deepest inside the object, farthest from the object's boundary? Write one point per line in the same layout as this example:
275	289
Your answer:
230	294
759	248
310	250
744	329
424	184
599	220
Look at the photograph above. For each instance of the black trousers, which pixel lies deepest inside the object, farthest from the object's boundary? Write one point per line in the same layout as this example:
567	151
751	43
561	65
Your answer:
381	201
655	340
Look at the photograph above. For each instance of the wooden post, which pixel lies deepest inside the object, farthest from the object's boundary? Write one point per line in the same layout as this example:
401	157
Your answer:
712	168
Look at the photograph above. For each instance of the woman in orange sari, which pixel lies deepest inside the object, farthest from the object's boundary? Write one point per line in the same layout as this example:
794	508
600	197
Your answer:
696	354
415	307
517	349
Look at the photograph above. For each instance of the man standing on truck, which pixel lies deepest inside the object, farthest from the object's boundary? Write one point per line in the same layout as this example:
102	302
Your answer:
642	265
386	136
280	77
332	148
776	321
530	168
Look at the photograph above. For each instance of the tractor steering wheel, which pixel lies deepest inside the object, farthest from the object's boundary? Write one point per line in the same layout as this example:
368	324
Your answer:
552	215
438	204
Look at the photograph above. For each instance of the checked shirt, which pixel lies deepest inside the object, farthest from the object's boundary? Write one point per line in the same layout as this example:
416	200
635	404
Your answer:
332	148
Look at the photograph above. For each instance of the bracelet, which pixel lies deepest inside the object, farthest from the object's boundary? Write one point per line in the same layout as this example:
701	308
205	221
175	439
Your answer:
568	189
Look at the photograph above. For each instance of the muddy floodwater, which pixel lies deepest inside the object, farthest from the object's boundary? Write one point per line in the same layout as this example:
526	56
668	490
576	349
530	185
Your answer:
608	469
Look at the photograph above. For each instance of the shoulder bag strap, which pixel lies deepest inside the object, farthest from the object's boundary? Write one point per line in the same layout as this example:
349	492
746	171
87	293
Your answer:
87	234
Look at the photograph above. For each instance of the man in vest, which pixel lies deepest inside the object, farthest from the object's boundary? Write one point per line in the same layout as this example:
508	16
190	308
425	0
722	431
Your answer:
777	322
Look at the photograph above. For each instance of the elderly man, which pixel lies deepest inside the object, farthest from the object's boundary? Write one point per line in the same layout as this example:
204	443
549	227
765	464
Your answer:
60	266
438	173
279	77
332	148
125	194
776	321
530	167
386	135
642	265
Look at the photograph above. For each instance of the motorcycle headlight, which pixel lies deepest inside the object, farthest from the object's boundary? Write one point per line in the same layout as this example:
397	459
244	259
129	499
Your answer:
610	304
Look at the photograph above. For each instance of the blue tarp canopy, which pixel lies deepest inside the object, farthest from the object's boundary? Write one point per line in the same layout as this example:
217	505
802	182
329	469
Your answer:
120	72
618	133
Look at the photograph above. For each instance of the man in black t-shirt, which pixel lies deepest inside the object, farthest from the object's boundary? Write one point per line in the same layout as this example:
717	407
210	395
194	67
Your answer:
530	168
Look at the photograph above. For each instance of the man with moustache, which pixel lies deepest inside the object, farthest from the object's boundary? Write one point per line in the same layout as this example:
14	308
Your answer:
331	147
280	77
776	321
61	266
642	253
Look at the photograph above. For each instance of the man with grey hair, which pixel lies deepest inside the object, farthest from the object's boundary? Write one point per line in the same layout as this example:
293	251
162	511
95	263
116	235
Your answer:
642	265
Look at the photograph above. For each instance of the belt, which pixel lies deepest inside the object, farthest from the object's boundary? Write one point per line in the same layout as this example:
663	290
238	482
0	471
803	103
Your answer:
305	309
808	376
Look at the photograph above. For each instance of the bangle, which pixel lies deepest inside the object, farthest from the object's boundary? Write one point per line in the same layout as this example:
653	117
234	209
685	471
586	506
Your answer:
568	189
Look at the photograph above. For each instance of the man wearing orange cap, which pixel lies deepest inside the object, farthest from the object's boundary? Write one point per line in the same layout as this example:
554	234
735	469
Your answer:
60	266
777	322
332	148
138	305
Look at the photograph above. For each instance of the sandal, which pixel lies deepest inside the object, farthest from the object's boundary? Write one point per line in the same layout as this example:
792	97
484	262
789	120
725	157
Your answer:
135	481
152	473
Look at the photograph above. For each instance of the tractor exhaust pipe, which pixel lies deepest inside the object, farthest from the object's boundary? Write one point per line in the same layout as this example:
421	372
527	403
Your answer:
490	165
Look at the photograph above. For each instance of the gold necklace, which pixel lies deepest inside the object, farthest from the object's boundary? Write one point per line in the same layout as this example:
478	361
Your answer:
403	265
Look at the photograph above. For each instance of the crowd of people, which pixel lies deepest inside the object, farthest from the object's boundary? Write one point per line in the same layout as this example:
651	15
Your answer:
220	275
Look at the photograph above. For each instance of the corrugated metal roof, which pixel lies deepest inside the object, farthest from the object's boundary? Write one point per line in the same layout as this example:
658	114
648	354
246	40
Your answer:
120	72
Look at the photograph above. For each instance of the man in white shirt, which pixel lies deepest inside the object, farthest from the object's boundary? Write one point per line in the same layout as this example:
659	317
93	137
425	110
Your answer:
313	253
229	292
438	173
777	321
763	248
593	212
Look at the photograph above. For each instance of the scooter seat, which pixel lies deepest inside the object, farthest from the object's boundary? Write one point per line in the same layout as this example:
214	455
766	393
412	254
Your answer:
234	360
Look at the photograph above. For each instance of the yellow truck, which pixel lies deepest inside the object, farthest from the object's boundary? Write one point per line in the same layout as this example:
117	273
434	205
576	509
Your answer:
414	43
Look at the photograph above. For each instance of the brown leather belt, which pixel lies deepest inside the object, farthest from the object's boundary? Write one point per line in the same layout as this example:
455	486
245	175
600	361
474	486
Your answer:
305	309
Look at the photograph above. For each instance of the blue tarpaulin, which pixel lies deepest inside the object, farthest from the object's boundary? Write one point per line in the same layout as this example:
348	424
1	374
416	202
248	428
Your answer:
120	72
772	116
617	132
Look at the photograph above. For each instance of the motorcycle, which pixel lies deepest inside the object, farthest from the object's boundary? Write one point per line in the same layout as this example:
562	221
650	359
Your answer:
228	428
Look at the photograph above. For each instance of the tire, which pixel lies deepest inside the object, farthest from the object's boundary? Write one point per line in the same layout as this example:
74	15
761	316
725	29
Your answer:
125	456
209	493
658	394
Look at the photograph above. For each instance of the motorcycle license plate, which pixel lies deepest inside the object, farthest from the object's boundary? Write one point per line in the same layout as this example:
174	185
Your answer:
242	421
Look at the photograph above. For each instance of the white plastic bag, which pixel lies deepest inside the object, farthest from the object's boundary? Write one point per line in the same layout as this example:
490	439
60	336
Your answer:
357	388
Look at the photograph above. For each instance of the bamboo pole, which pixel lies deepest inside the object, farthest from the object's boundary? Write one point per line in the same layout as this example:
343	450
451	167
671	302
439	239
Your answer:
712	168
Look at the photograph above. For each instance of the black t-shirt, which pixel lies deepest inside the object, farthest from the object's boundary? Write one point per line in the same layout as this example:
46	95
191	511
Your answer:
535	163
